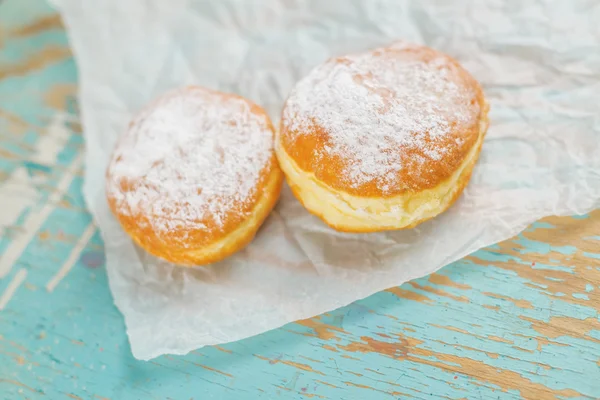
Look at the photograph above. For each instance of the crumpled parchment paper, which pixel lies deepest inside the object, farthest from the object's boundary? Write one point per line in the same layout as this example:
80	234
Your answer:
539	63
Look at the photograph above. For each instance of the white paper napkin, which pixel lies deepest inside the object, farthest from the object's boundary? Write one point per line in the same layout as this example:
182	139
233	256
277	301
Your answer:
539	63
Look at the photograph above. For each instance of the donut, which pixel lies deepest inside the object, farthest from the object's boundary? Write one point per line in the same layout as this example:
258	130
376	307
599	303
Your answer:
194	176
382	140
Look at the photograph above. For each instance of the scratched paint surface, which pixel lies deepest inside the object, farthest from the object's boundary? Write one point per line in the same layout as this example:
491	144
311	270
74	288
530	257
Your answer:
517	320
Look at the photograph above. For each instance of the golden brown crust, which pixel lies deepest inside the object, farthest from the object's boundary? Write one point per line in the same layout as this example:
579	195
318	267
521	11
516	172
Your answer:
168	246
459	187
205	237
308	148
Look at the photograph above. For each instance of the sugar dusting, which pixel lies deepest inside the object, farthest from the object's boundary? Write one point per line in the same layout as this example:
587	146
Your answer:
190	158
372	104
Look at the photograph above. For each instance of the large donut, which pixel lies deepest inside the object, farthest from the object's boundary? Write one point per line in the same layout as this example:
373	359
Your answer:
384	139
195	175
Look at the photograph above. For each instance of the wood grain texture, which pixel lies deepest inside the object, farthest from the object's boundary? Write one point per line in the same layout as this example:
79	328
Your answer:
519	319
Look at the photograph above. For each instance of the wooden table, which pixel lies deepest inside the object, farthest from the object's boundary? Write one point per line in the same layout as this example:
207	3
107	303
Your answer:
517	320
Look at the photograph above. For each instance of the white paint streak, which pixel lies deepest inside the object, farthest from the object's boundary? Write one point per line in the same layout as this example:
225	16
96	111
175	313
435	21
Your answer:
53	140
36	218
12	287
19	195
73	257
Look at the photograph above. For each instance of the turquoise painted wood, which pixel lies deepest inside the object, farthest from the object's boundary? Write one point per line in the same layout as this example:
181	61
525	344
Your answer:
517	320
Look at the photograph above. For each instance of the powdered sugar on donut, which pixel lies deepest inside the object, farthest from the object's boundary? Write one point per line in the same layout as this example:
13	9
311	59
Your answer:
189	158
372	104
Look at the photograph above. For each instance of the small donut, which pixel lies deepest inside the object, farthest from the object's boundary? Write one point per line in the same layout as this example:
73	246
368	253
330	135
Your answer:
195	175
382	140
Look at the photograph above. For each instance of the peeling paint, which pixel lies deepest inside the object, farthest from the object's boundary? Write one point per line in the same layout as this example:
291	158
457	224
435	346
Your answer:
516	320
